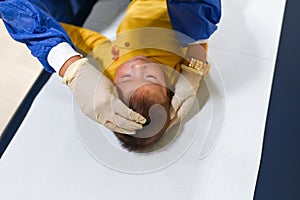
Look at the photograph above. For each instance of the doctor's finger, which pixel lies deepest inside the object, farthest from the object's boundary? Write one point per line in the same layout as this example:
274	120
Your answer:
127	124
126	114
117	129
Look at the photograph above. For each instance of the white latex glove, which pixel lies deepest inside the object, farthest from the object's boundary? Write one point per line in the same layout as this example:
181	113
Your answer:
185	94
98	99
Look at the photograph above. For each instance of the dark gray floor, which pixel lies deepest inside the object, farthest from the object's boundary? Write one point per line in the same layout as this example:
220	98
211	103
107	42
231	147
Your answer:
279	174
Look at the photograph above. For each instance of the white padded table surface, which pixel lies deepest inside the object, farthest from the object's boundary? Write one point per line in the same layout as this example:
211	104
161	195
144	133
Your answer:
46	159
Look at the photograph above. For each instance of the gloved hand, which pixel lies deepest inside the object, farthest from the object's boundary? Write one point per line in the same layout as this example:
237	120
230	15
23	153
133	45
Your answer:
29	23
185	94
98	99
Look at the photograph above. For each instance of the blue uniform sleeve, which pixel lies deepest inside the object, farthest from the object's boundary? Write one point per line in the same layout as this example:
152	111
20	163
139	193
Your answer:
70	11
197	19
28	22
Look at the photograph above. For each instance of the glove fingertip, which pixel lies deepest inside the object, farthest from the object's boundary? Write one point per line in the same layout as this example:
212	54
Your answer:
117	129
128	133
123	131
137	117
142	120
172	112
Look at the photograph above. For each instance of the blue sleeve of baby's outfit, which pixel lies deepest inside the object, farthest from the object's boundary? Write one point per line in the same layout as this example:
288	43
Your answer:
30	23
197	19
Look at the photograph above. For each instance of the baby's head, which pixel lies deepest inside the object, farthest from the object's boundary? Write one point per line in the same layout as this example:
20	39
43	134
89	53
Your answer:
153	102
142	86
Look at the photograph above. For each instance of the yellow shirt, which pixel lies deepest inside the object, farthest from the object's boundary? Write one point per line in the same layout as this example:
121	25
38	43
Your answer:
145	30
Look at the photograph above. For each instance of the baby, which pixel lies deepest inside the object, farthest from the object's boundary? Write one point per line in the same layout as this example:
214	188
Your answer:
143	86
133	62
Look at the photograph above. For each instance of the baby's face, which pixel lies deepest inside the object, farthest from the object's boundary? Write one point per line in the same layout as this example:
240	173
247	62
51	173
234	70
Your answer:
137	72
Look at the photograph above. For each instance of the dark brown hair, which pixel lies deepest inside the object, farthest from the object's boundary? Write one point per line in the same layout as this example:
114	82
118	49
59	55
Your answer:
153	102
